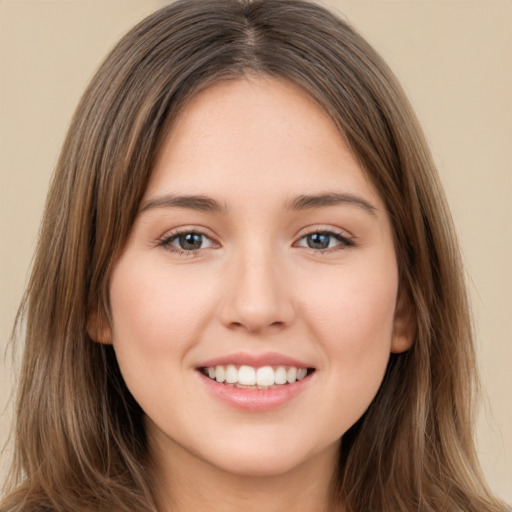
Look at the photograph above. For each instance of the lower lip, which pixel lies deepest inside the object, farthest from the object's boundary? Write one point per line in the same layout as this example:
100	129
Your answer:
256	400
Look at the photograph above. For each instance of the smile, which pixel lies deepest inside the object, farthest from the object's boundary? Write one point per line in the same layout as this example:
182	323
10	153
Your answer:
249	377
256	389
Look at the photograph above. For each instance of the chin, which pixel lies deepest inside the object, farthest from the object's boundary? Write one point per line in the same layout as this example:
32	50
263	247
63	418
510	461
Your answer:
258	466
270	459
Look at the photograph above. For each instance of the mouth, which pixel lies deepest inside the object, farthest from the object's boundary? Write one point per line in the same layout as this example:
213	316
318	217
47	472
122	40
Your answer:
257	383
251	377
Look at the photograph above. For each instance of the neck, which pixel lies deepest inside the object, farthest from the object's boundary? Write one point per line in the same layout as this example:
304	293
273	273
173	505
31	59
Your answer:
186	483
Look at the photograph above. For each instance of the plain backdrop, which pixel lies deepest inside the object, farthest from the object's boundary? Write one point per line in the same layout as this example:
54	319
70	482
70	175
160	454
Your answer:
453	58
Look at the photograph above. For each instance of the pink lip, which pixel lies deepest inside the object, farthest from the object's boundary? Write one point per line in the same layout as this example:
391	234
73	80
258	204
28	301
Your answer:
255	360
256	400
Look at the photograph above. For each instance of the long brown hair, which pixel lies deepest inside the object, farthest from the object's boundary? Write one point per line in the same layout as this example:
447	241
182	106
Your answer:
79	438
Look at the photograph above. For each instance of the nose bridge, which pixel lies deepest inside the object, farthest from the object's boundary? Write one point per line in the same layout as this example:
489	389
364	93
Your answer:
257	296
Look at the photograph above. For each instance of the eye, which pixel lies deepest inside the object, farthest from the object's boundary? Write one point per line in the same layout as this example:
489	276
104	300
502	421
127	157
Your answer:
189	241
324	240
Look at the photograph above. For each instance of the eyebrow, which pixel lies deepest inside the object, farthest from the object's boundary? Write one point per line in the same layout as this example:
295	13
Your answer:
301	202
305	202
193	202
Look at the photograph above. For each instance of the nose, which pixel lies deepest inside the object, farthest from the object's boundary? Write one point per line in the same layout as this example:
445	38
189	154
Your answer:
258	296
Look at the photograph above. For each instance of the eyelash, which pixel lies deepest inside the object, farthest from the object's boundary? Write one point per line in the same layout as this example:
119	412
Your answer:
166	242
345	242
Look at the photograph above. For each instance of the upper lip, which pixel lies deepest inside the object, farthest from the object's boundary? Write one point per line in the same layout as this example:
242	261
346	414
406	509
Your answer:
255	360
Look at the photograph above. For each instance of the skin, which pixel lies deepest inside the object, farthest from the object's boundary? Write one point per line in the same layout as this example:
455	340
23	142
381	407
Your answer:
254	285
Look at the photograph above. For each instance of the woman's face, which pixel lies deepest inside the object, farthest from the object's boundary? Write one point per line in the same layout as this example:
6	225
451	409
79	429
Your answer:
261	253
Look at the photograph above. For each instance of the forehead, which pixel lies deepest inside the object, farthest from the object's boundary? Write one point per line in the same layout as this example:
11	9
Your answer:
258	135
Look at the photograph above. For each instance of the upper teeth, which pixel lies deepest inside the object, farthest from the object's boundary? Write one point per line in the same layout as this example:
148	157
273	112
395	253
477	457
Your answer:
249	376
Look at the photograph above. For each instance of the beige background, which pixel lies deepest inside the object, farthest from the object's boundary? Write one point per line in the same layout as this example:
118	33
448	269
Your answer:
454	59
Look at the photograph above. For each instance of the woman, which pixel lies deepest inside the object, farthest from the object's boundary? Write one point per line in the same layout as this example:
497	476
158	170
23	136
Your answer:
247	291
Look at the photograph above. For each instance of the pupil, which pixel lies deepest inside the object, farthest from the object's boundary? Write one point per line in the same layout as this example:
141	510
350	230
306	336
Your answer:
190	241
318	241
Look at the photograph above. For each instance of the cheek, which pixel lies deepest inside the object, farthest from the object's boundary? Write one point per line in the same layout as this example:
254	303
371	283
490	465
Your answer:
351	316
350	304
152	305
158	315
